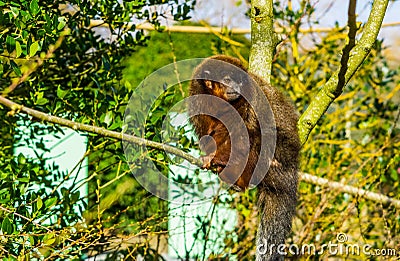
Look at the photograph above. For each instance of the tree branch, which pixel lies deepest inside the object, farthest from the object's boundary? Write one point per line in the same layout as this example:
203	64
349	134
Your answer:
263	38
217	30
338	186
16	108
346	51
331	90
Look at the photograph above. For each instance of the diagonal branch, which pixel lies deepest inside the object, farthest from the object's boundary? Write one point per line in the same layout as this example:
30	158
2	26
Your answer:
331	90
346	51
16	108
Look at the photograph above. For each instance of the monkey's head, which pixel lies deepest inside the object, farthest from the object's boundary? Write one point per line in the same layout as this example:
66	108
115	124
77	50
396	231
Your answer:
222	76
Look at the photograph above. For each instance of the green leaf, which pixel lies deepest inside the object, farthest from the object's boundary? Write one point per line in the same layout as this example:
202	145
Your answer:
61	23
42	101
18	49
21	159
108	118
61	93
14	11
39	203
160	157
238	3
10	42
50	202
33	48
394	175
34	7
24	180
25	34
32	239
106	63
6	226
115	125
16	68
49	239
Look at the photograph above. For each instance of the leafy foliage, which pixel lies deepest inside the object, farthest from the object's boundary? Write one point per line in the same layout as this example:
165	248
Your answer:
355	143
77	71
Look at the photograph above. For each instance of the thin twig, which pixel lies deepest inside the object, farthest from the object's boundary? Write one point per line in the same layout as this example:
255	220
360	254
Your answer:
352	23
214	29
338	186
30	220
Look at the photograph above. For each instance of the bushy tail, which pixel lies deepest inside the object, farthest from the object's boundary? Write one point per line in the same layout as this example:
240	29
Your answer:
277	206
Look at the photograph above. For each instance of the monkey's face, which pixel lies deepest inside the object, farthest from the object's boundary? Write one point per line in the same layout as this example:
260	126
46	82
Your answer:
222	77
227	88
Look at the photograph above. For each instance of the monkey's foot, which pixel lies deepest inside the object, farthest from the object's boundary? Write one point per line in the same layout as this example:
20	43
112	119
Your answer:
236	188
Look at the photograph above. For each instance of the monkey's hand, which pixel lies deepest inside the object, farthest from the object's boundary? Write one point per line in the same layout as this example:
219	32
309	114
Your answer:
207	160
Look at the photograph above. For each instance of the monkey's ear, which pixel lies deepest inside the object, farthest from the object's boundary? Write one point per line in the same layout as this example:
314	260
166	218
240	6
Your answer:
208	84
206	78
205	75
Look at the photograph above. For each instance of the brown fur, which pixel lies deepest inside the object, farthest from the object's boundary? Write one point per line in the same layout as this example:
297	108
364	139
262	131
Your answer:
278	188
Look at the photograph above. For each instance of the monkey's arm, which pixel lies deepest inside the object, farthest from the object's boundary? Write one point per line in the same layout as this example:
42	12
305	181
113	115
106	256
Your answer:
217	147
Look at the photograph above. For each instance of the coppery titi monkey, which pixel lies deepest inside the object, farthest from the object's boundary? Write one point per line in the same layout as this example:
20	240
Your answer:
277	190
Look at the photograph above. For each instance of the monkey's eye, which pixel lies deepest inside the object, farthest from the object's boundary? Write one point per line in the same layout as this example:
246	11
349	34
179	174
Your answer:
227	80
